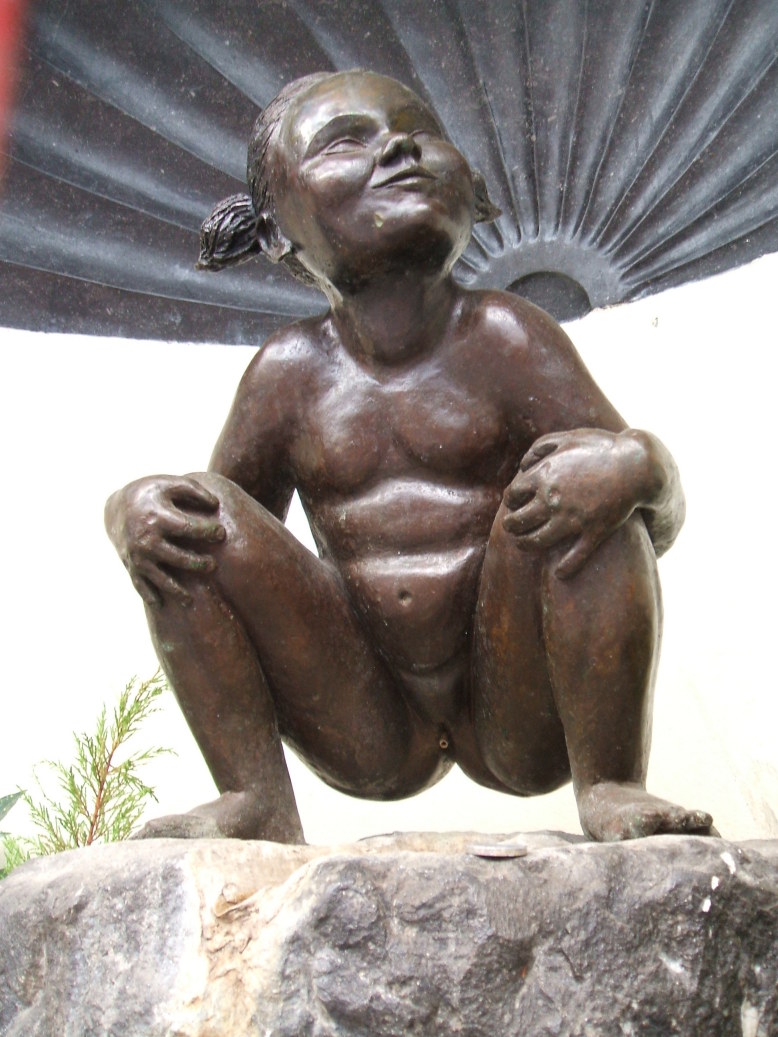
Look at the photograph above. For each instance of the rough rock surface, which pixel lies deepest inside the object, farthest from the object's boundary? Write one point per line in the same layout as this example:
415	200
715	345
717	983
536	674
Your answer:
393	936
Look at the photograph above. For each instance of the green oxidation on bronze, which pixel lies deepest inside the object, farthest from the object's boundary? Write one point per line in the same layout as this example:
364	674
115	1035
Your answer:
486	590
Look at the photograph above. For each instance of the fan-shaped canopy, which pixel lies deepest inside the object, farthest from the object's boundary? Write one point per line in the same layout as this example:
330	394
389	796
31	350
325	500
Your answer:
631	145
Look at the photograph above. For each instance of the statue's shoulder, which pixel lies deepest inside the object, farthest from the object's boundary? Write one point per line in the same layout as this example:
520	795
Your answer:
297	343
511	325
289	355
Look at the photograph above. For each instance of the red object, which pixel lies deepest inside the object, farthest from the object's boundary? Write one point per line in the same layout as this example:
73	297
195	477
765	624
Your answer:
11	17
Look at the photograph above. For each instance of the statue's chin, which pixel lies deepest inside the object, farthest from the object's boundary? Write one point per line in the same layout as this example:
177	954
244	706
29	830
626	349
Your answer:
421	251
418	235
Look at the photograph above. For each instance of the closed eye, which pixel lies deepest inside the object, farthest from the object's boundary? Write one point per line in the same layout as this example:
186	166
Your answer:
341	134
343	144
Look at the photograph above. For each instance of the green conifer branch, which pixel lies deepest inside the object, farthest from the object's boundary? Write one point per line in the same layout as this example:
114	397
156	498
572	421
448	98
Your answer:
102	795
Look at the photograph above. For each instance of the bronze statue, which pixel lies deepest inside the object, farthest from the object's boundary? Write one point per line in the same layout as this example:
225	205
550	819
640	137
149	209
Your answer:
486	591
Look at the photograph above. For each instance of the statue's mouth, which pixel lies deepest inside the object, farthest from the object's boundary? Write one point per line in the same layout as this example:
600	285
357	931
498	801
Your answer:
409	175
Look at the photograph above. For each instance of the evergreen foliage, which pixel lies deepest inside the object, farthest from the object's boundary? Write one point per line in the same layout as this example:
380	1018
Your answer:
100	794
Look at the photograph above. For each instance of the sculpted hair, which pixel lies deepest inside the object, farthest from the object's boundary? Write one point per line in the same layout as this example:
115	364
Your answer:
265	131
230	235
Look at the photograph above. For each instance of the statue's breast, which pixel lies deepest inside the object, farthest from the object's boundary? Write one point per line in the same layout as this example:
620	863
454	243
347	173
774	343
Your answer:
360	430
447	427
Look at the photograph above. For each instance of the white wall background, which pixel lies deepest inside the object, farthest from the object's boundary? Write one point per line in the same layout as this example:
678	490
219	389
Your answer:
81	416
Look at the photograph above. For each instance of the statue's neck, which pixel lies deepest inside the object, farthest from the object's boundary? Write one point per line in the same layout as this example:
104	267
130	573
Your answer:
395	320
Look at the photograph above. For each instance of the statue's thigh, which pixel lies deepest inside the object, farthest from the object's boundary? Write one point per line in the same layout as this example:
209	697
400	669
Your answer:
335	700
516	721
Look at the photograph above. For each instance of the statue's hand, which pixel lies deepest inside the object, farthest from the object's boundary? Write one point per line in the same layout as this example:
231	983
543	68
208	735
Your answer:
577	486
159	524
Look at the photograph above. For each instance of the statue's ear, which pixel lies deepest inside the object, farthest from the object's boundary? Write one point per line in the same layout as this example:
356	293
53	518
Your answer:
273	243
485	209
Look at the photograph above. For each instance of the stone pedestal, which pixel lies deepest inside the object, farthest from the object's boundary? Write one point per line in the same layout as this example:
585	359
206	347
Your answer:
396	935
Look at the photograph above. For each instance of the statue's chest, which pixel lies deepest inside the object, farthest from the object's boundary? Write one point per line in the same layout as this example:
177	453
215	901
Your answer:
358	430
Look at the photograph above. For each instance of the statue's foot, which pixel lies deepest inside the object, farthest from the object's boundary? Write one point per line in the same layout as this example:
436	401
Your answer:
612	811
234	815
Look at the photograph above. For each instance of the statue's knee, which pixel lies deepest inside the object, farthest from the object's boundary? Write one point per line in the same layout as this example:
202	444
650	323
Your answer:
219	485
211	480
233	501
634	543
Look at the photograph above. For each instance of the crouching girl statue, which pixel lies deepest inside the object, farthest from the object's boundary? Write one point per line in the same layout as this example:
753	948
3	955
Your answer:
486	589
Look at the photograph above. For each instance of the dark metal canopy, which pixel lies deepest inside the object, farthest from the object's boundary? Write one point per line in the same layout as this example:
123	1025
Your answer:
631	145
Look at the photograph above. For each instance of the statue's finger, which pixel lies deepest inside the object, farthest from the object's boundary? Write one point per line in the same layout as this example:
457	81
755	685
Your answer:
576	558
196	527
539	449
180	558
527	518
194	491
165	585
542	537
146	591
520	492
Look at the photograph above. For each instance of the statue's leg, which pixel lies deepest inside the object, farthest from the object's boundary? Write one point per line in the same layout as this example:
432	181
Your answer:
563	679
269	648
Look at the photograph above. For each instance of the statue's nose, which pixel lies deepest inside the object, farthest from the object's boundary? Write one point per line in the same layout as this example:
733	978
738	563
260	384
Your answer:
397	145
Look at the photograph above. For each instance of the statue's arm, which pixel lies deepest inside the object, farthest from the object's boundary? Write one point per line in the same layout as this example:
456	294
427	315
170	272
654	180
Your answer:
162	525
253	448
661	497
586	472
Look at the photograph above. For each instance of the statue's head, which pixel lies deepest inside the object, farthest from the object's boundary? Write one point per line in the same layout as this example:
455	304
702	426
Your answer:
348	172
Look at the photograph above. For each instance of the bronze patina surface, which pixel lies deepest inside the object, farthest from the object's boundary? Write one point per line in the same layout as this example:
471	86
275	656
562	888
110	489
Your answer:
487	525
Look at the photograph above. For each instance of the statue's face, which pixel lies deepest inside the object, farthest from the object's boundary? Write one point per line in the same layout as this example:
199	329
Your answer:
364	181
